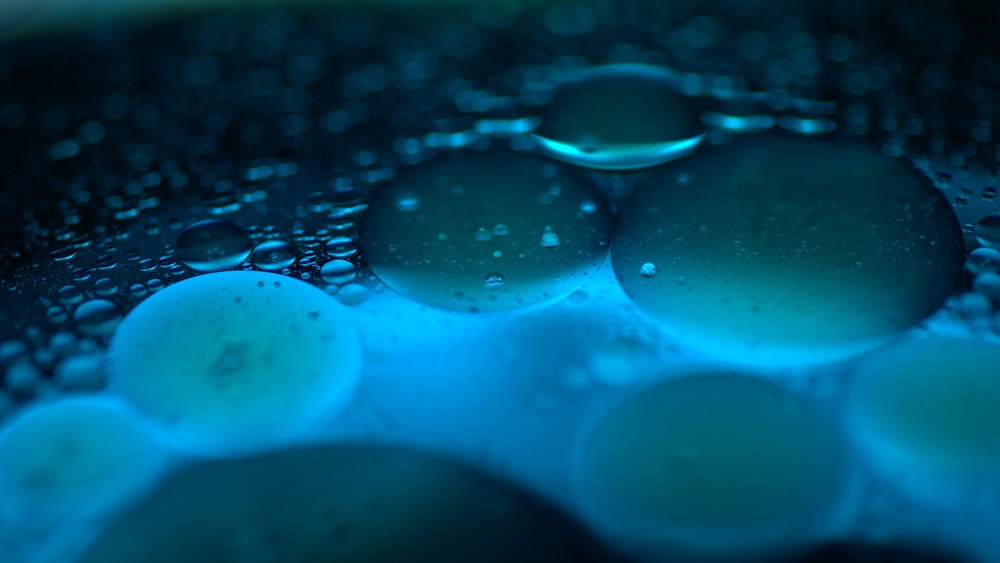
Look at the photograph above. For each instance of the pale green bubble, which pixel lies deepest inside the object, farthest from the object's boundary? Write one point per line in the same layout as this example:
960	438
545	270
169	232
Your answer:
933	405
787	250
235	360
533	228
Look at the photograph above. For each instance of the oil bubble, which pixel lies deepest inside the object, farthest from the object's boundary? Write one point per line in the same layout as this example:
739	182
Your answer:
235	360
780	250
484	213
620	117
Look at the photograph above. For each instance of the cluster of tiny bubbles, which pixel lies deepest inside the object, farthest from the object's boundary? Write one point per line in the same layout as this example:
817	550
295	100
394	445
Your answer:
493	230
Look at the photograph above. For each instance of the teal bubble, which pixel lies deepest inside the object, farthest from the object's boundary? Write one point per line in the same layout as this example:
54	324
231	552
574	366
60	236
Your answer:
620	117
538	228
931	405
713	463
788	250
343	503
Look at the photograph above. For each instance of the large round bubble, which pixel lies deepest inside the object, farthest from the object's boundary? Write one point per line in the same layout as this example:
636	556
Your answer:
485	232
788	250
343	504
235	360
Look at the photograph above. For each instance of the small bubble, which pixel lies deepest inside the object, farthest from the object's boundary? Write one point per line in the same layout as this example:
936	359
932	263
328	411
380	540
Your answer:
550	240
273	255
213	245
501	230
70	294
494	281
341	247
105	287
407	202
97	317
587	206
983	260
352	294
988	231
337	271
483	234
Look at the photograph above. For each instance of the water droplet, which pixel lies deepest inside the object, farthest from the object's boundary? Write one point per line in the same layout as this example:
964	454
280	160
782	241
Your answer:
202	365
273	255
499	189
550	240
81	372
337	271
983	260
105	287
408	202
792	250
483	234
739	123
494	281
807	126
588	125
213	245
341	247
352	294
97	317
668	461
988	231
70	294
